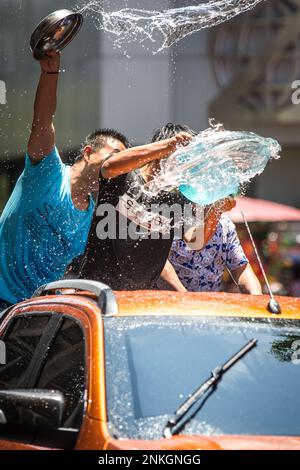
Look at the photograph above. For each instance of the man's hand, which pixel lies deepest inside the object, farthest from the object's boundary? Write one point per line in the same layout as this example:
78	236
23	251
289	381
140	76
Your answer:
52	63
180	140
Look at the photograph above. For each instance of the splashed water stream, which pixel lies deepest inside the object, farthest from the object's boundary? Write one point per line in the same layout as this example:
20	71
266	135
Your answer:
217	162
130	25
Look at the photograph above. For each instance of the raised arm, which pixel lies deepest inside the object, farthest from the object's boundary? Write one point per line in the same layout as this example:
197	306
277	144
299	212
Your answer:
42	137
198	237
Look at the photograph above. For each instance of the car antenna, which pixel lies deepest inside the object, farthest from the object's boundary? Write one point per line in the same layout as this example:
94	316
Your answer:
273	305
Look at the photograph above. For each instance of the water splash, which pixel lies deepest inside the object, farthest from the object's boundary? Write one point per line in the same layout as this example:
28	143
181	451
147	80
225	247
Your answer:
214	165
130	25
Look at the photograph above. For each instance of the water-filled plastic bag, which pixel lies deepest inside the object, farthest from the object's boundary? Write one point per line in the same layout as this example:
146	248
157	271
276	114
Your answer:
215	164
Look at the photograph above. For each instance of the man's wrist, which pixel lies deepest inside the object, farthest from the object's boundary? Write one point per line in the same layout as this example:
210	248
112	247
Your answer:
50	73
170	145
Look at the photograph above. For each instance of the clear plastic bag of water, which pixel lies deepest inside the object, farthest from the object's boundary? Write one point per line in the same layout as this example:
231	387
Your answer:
214	165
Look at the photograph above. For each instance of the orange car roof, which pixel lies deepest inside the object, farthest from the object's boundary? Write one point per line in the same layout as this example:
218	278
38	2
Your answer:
143	303
203	304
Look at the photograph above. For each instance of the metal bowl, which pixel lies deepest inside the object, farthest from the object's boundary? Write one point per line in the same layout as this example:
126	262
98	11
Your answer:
55	32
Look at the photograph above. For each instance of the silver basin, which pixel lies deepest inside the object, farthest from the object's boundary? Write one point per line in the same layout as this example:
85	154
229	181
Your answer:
55	32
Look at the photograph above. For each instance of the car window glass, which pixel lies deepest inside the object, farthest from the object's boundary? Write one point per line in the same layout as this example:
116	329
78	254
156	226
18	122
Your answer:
64	370
154	363
21	340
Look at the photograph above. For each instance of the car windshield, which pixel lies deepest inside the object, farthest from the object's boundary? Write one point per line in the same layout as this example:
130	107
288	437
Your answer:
154	363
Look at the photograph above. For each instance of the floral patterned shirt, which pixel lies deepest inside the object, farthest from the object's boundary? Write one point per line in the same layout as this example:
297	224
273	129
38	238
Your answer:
202	271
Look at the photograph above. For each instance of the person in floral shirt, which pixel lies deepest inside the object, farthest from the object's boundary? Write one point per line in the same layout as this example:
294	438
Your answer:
203	270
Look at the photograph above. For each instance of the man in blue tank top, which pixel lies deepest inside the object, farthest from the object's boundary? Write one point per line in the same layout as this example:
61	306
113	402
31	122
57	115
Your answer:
46	221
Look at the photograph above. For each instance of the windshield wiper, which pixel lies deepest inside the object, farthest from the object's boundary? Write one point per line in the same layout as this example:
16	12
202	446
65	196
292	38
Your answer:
216	376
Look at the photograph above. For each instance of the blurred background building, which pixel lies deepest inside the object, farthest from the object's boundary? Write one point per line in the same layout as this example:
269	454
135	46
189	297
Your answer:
241	73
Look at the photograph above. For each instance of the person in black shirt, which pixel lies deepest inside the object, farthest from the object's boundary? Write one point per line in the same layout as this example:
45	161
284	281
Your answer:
117	252
120	250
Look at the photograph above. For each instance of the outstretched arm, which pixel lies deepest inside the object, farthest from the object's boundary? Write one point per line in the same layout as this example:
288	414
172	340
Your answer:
247	280
169	280
137	157
42	137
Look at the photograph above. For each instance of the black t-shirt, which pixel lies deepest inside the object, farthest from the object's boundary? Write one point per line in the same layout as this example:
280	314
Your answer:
118	260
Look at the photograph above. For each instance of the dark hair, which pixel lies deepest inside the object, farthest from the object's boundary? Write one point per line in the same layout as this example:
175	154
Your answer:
98	139
170	130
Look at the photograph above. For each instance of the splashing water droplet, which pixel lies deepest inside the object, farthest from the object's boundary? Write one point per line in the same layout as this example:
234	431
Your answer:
214	165
130	25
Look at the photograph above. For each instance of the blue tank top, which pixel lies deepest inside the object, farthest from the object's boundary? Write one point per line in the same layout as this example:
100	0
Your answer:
41	231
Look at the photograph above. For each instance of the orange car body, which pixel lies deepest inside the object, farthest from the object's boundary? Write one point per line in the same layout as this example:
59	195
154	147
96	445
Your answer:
94	433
